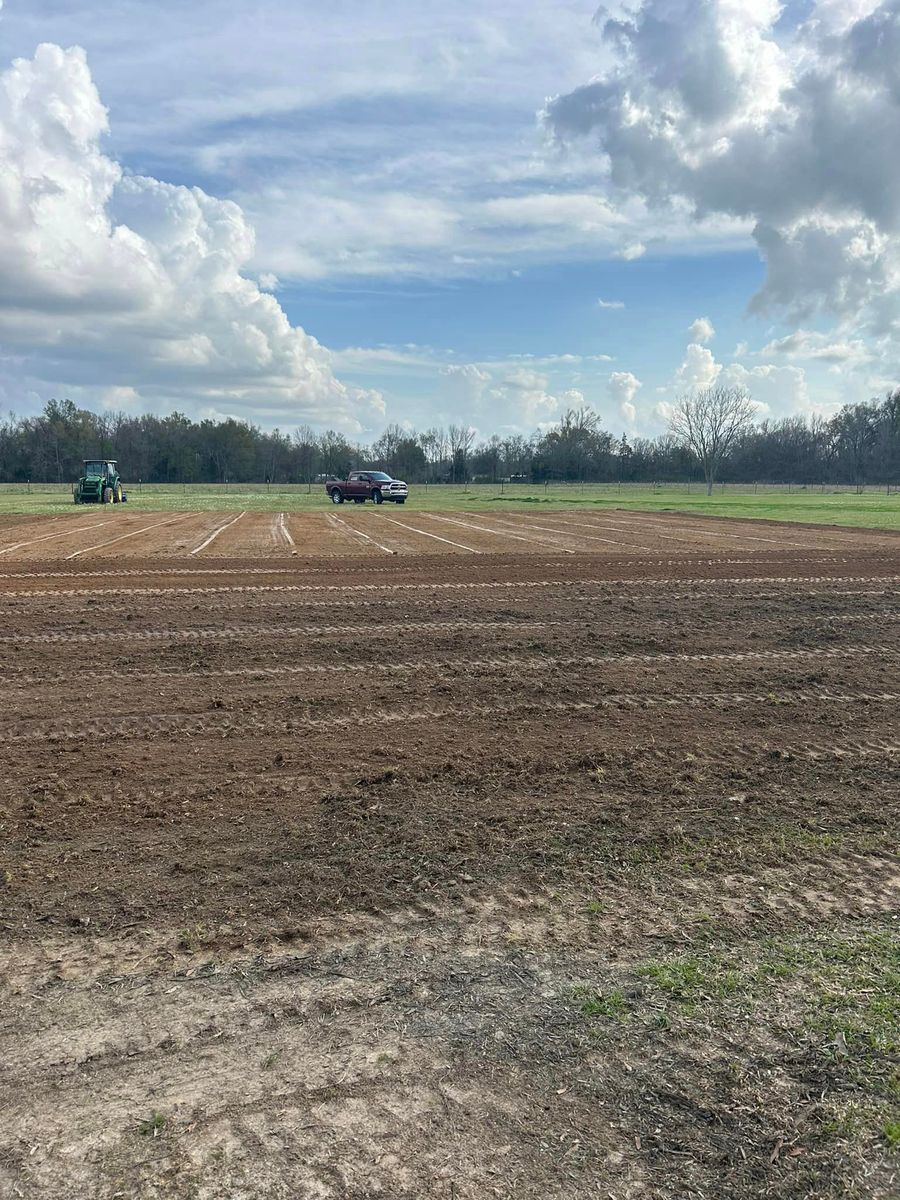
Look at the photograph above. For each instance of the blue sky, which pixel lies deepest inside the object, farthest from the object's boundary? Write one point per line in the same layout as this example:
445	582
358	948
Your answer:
475	212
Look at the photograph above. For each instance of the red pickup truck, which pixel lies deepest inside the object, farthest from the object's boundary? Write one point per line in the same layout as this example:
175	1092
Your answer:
360	486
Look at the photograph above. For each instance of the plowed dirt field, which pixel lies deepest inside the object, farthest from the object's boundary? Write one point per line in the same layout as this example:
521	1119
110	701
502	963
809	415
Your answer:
368	854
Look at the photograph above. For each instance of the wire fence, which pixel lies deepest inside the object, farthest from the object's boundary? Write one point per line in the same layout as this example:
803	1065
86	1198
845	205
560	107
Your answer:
484	488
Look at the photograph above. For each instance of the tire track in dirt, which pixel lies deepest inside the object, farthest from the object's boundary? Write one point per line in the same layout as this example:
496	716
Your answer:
437	586
817	537
215	533
434	536
47	537
192	724
625	760
576	535
688	531
378	630
345	526
250	631
691	534
281	530
503	533
444	563
124	536
875	616
499	663
100	962
297	594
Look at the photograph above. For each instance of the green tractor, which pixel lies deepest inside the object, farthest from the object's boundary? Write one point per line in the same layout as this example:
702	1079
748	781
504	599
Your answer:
99	483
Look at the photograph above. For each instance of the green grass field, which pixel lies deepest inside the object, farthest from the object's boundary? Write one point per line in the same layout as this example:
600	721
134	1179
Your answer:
824	505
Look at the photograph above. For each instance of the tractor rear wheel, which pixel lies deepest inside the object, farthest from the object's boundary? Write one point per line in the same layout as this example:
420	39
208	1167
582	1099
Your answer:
107	495
117	494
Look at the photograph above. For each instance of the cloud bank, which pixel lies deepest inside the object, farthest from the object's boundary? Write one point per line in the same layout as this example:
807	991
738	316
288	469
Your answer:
733	109
131	287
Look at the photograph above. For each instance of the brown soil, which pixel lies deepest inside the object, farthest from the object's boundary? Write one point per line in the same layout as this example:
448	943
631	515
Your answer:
308	862
99	534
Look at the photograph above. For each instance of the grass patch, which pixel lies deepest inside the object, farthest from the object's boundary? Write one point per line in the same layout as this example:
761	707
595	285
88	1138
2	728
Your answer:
828	505
812	1020
689	980
610	1006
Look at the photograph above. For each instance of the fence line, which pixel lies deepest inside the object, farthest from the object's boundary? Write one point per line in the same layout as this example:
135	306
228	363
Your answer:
500	488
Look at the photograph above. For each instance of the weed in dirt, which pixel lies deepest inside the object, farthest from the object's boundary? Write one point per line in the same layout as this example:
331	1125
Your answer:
153	1125
891	1132
194	937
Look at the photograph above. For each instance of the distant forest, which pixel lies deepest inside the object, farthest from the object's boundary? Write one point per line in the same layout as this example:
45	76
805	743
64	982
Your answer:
860	444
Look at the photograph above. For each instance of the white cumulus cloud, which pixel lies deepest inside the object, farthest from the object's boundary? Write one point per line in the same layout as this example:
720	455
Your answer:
722	105
702	330
699	368
623	387
118	285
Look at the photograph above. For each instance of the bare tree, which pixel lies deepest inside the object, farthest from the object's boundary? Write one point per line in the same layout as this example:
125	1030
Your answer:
461	439
709	422
434	442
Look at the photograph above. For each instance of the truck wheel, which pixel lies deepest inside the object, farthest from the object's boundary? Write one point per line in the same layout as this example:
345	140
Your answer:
377	497
107	495
337	496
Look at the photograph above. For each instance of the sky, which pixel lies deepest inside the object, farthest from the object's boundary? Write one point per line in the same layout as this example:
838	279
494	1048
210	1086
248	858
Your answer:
351	214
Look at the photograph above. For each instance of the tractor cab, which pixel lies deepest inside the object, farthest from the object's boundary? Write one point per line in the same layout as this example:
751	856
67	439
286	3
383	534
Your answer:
99	483
99	466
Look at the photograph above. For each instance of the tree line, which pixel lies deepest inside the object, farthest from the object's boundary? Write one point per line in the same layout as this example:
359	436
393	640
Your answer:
859	444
